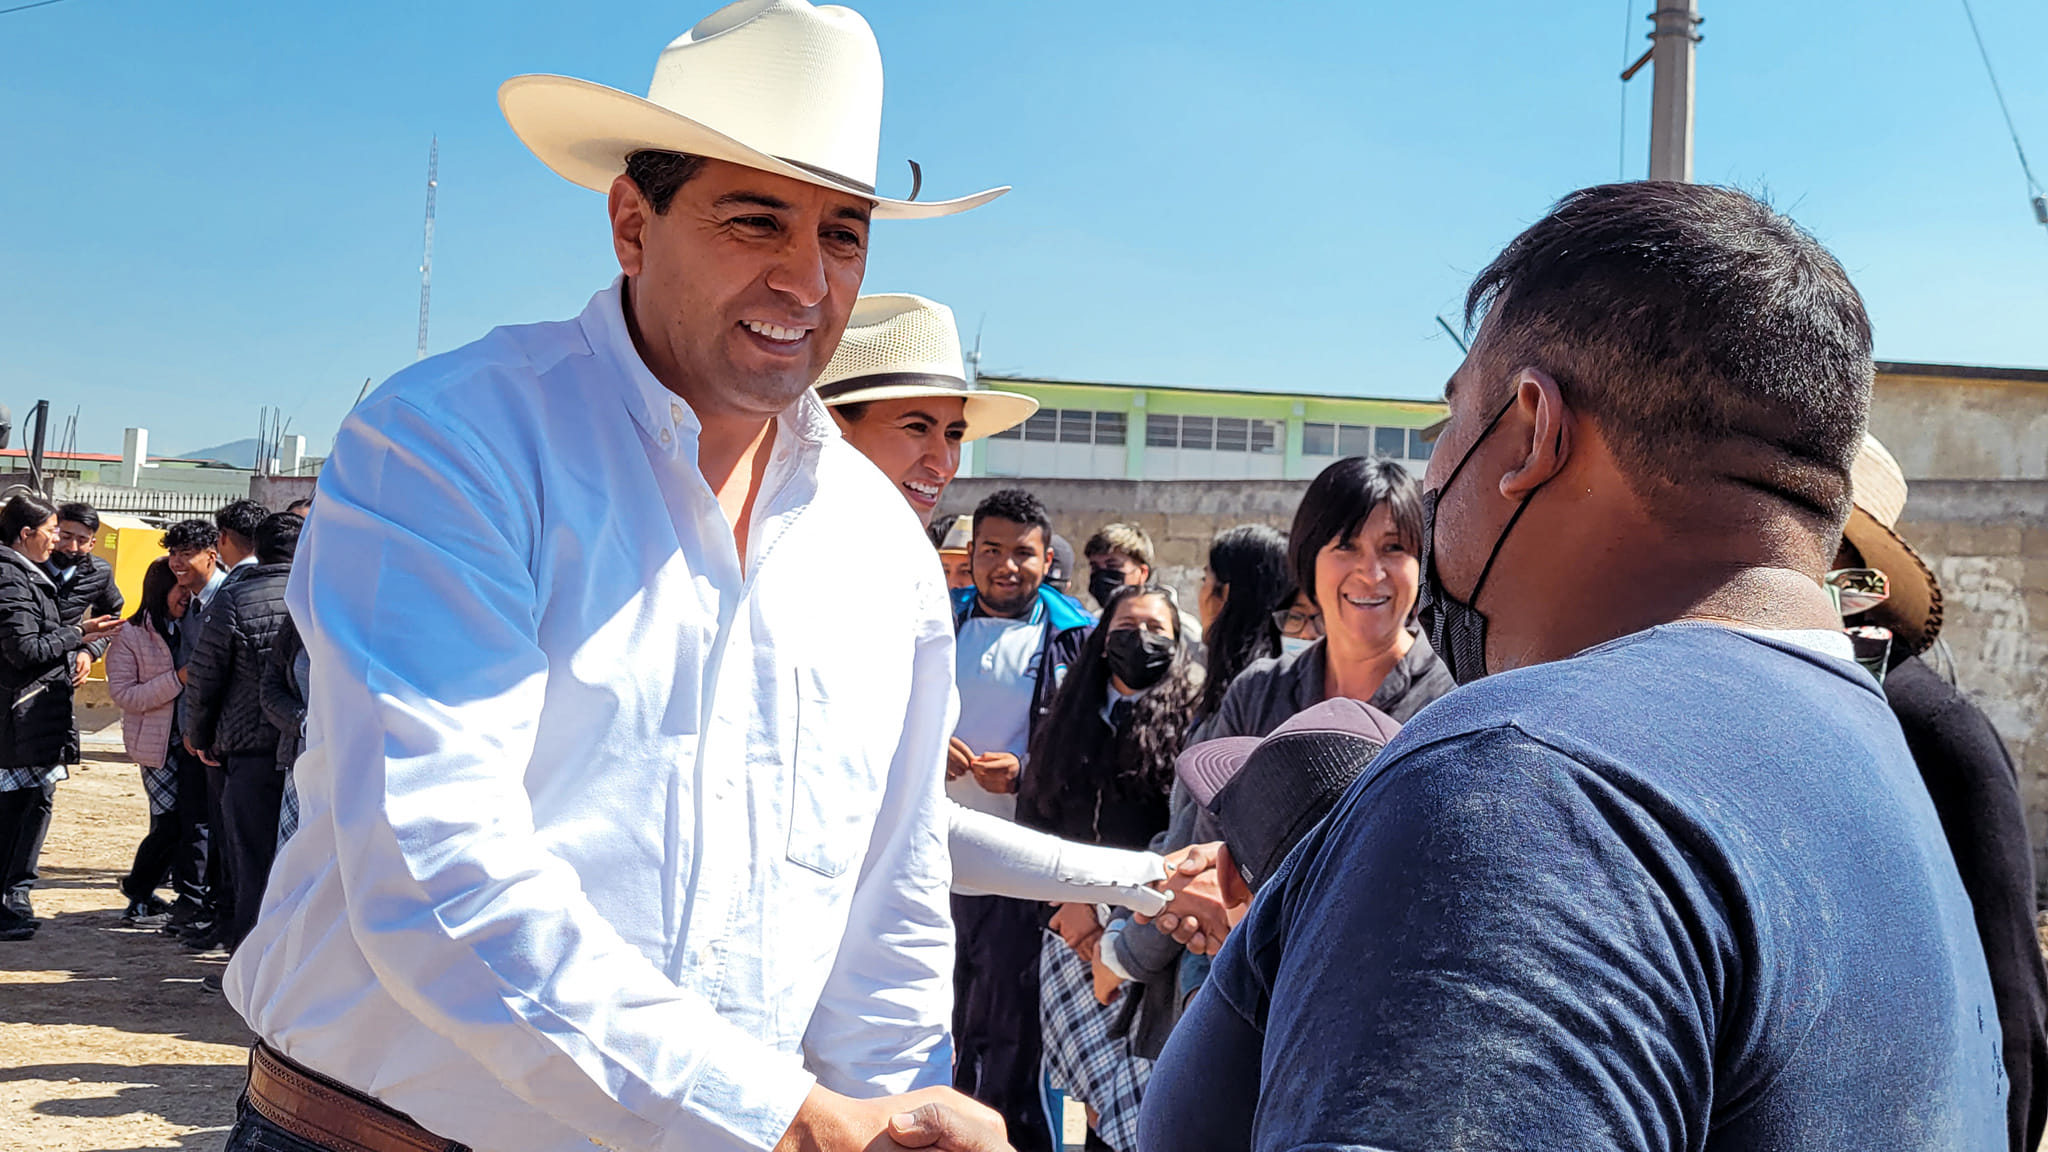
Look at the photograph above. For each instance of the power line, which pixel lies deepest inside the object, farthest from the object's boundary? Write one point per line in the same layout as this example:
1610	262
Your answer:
2033	186
26	7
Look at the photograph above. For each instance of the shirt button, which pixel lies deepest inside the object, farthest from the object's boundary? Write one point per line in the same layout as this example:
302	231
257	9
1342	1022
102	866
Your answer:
665	437
675	413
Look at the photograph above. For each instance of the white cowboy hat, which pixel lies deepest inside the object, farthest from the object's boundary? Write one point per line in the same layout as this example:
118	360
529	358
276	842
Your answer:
777	85
898	346
1912	610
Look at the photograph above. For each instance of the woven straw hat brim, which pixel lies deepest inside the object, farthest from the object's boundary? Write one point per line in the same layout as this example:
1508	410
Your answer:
1913	609
585	131
987	413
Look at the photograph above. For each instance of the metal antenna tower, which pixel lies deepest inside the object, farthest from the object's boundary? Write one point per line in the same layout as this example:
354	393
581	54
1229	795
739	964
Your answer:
427	260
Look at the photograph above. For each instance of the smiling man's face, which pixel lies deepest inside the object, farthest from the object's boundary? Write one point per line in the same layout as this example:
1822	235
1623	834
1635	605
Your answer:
741	289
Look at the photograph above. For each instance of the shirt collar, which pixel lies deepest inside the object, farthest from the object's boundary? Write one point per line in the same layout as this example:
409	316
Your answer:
213	584
665	417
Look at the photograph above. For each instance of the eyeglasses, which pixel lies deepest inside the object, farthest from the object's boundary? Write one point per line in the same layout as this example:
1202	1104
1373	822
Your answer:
1298	625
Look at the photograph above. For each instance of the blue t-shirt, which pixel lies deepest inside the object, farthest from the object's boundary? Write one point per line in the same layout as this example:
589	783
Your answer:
1682	891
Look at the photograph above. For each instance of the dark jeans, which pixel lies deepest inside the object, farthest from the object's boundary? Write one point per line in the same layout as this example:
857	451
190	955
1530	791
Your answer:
195	827
24	821
249	802
252	1133
220	885
997	1041
153	857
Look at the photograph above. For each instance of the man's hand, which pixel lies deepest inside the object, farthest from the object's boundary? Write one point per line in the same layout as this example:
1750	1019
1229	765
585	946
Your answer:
99	626
1199	917
81	663
995	772
1108	985
959	759
1078	926
949	1128
929	1118
204	758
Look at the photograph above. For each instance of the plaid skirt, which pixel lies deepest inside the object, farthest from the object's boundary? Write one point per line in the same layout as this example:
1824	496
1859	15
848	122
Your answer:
161	786
1081	1057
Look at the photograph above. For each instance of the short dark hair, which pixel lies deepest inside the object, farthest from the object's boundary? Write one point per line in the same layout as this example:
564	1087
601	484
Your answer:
854	412
157	582
301	506
658	174
1336	506
241	519
1707	336
191	536
25	511
1018	507
277	537
79	512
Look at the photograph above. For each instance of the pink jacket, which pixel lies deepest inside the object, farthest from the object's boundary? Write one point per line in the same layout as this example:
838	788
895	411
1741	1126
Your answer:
143	679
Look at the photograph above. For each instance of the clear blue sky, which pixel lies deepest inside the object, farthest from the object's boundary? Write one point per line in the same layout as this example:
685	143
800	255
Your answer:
210	206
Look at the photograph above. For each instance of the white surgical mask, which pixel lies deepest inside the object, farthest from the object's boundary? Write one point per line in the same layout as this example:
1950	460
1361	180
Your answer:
1289	645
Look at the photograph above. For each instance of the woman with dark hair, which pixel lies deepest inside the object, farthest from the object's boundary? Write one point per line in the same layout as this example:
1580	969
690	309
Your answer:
143	680
37	738
1245	579
1100	773
1353	555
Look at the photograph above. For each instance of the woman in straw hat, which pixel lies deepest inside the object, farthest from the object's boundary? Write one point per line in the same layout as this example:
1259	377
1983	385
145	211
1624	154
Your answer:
1970	777
618	826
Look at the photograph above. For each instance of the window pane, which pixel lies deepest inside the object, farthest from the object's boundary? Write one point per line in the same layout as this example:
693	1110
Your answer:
1109	427
1197	431
1043	427
1354	440
1390	442
1013	432
1418	448
1265	436
1162	431
1232	433
1076	427
1318	439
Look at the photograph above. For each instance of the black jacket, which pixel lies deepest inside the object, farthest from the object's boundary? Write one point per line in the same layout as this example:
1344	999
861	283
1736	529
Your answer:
36	729
283	697
1970	777
89	592
222	708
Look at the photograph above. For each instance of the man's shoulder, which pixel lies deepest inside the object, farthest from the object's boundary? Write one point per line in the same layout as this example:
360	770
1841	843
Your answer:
485	389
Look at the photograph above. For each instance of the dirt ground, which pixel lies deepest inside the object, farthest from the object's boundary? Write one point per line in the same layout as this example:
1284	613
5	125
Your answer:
107	1042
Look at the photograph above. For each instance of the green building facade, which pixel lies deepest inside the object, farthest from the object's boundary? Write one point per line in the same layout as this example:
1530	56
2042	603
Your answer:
1140	432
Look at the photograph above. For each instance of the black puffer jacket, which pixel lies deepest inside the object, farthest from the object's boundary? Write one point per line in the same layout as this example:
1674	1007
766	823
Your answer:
221	711
90	592
36	730
284	698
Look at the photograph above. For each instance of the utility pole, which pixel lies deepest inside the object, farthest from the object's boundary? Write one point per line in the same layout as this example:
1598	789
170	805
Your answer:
427	260
1675	31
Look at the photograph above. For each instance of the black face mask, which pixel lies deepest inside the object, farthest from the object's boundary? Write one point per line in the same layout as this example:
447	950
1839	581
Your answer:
65	560
1456	629
1139	658
1103	583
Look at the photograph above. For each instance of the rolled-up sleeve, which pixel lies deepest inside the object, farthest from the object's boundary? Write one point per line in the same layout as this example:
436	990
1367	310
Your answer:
882	1024
415	598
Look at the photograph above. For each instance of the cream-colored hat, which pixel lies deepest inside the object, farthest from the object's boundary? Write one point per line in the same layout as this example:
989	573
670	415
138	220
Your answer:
1877	486
898	346
778	85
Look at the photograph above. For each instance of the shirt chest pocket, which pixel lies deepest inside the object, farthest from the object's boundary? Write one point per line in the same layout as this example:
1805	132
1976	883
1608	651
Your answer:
838	773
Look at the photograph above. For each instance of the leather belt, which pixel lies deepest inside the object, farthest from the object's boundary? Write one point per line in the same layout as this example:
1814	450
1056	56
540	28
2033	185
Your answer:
320	1111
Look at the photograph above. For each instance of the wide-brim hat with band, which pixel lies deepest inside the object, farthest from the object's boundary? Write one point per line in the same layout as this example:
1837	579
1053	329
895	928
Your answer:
1877	486
778	85
1268	793
899	347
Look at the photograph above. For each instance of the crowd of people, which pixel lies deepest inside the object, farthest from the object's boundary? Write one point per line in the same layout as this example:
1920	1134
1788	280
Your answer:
657	788
208	677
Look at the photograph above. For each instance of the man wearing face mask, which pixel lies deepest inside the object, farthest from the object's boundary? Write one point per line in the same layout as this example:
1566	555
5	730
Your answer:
1120	556
85	583
1660	874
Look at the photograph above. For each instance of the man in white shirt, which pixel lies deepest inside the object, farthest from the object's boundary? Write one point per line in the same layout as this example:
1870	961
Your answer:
617	824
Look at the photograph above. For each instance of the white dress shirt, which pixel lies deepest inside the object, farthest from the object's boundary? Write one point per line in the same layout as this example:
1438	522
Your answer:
602	839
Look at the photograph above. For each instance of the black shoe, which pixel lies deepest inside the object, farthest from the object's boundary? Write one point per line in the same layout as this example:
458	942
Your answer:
185	912
18	930
210	983
204	942
150	913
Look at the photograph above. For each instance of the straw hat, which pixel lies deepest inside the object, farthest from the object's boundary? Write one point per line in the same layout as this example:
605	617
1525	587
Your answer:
897	347
1913	610
777	85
